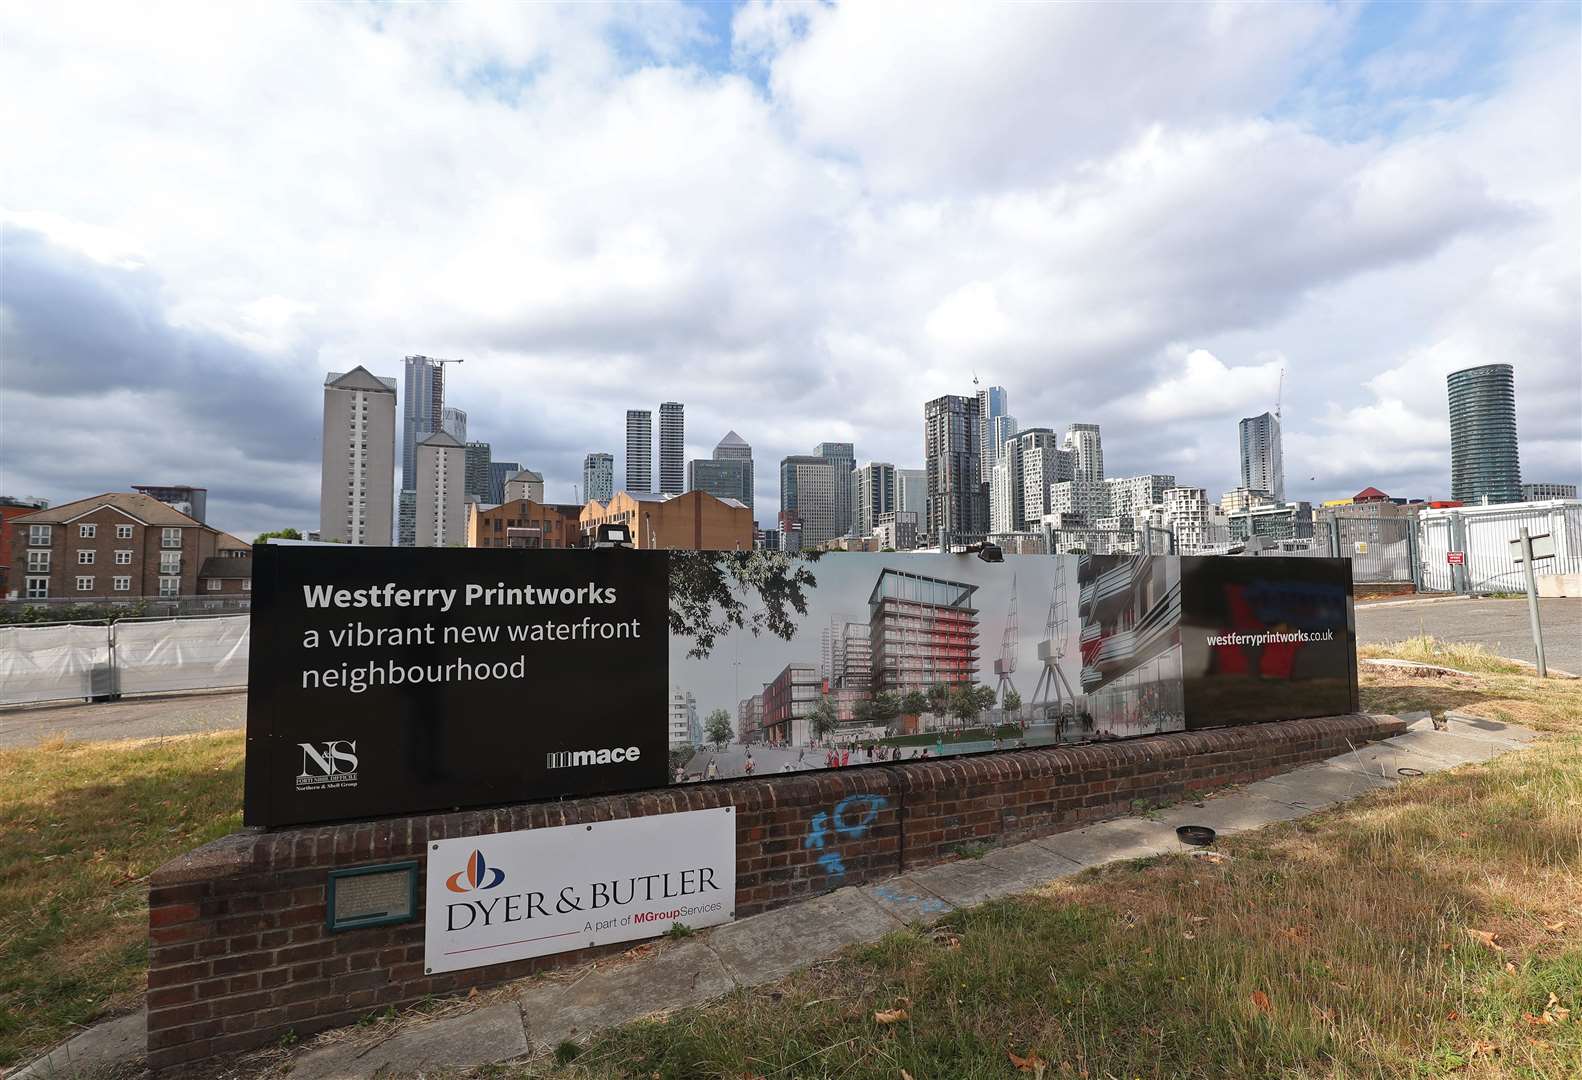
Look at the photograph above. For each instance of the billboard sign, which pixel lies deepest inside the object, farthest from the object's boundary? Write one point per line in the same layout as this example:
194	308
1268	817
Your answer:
509	896
398	680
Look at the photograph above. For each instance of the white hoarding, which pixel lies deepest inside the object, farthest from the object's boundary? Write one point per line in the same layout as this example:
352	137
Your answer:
507	896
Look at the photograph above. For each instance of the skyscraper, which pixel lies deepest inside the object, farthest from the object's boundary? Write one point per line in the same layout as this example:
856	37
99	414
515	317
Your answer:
911	492
358	470
808	495
423	403
1087	452
993	403
499	472
842	457
1262	464
726	475
598	477
1042	462
950	450
441	480
478	463
454	421
873	493
1484	461
735	448
672	448
639	451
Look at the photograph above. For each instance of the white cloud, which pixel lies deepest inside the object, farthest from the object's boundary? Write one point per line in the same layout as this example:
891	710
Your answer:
875	203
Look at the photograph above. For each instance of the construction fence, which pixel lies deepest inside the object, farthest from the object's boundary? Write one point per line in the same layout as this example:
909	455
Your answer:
98	660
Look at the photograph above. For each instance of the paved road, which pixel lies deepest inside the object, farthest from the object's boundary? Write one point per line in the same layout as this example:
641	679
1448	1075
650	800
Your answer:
132	718
1498	625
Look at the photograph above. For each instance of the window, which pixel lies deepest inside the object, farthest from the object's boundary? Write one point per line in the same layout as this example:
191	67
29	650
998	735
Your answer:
85	584
247	584
170	538
87	532
170	586
122	584
38	562
170	562
123	557
37	588
123	532
85	557
213	584
38	535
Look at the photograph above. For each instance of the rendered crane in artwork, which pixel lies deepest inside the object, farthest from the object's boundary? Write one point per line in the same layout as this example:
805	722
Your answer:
1053	697
1010	641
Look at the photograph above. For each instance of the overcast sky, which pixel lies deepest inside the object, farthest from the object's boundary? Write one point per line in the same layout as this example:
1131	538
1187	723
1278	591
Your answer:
802	221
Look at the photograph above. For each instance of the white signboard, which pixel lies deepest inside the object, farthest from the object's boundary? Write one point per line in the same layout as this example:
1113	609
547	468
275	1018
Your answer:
507	896
1543	547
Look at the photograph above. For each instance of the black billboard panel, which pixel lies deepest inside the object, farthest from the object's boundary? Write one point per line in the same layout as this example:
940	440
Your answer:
401	680
394	680
1266	638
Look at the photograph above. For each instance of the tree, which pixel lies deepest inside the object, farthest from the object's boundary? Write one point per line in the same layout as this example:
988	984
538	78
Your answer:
863	712
278	534
914	703
938	695
823	718
717	727
963	703
1013	700
886	707
707	590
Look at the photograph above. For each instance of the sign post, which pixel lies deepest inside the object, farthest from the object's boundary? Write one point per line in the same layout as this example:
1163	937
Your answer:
1528	548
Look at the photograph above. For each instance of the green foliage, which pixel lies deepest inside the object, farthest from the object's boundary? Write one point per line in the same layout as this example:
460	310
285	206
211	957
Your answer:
717	727
709	591
277	534
22	612
914	703
823	718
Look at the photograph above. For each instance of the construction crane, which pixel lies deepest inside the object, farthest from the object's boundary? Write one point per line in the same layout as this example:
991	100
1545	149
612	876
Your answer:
1279	394
1053	696
1010	641
435	359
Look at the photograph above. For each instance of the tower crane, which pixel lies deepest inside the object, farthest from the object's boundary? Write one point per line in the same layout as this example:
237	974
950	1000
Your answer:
1010	642
1053	696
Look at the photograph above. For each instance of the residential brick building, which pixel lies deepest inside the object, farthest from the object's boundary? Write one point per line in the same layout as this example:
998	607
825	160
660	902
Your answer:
122	546
10	509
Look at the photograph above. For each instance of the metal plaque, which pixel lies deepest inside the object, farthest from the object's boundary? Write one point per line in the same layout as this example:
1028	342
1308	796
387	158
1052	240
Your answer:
371	896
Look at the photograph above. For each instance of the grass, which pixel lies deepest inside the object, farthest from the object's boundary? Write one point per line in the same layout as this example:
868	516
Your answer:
1427	649
1334	946
81	827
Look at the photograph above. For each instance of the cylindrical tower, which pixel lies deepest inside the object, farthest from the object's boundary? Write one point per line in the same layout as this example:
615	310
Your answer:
1483	457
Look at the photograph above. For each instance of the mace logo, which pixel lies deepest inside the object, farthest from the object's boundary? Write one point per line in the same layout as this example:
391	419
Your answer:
476	875
329	764
570	759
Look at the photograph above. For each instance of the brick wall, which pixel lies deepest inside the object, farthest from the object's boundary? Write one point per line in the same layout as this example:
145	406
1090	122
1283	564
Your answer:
239	953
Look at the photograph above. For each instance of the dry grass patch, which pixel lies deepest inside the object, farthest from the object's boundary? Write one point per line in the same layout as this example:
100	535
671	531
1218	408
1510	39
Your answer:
1416	932
81	827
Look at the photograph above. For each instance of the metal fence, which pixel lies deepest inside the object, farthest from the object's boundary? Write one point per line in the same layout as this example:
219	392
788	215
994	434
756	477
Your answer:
102	659
1382	550
1482	536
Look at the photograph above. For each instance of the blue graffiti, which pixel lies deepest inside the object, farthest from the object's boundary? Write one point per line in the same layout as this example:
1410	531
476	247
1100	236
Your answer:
928	905
844	822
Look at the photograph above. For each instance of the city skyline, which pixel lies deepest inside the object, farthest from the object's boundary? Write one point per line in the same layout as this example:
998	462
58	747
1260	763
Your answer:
1120	274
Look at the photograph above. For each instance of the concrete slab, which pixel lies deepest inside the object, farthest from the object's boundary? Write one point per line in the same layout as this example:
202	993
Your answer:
469	1039
100	1047
1497	731
1231	814
682	974
999	873
765	947
1385	761
908	901
1315	787
1109	841
1443	746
